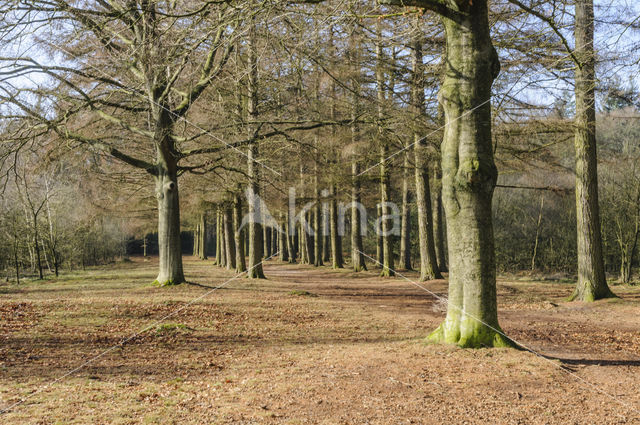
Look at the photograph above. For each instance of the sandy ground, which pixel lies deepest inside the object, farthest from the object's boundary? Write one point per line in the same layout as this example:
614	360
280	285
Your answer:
306	346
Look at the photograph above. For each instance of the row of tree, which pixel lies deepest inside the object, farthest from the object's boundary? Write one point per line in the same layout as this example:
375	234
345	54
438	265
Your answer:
225	96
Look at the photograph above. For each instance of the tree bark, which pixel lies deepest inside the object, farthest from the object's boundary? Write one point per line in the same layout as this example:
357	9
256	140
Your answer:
379	243
283	241
218	238
317	221
357	258
255	230
385	189
337	262
241	265
428	261
202	237
196	240
169	247
289	239
469	178
405	227
592	283
229	238
439	235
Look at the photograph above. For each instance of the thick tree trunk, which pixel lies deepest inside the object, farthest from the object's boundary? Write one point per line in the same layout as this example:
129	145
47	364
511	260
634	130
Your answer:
169	246
592	283
255	228
405	227
229	238
469	178
337	262
241	265
357	257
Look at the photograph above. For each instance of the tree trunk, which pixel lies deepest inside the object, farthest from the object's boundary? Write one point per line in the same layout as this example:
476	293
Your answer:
218	238
289	237
229	238
469	178
385	224
196	240
537	237
37	249
255	230
337	262
357	257
283	241
309	238
428	260
439	234
379	242
385	189
592	283
169	246
241	265
202	237
317	222
405	227
266	238
15	256
223	240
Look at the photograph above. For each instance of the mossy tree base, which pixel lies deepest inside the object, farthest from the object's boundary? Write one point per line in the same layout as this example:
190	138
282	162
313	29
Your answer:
587	293
165	283
474	335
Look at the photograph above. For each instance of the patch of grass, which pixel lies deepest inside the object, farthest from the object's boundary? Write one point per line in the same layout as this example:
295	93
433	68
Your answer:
172	327
301	293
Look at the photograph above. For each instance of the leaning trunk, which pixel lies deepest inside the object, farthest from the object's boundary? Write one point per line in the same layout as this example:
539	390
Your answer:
469	179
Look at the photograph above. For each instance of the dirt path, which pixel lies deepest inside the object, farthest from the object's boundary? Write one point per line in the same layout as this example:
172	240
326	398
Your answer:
308	346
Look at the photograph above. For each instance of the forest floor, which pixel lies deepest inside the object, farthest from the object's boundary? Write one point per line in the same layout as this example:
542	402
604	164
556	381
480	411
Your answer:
307	345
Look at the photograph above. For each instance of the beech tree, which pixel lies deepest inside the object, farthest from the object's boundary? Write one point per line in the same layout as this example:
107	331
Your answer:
469	173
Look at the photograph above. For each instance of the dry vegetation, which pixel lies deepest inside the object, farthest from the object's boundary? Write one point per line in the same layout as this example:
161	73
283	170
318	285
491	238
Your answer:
307	346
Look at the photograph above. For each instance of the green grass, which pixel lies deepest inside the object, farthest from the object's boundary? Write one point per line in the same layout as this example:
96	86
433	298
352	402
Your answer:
301	293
